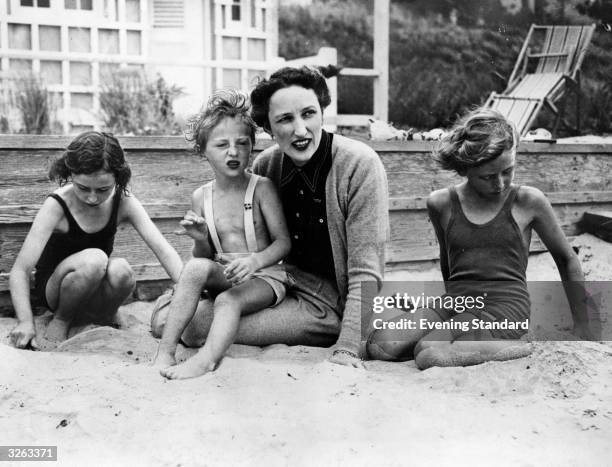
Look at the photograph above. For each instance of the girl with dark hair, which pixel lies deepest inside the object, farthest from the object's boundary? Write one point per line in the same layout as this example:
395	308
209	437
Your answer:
484	227
71	240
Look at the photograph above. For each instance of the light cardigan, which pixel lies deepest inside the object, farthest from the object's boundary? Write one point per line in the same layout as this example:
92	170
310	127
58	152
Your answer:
357	205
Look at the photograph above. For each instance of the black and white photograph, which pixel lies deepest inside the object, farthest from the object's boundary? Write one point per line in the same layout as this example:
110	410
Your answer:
306	232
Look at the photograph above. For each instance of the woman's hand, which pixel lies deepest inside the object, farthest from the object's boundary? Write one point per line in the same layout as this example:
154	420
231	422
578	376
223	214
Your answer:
241	269
23	334
194	226
345	357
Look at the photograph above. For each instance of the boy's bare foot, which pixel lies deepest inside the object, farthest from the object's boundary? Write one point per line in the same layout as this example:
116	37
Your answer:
164	357
197	365
163	360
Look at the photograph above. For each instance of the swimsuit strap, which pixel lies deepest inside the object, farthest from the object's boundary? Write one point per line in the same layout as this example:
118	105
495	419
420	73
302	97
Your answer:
510	199
249	224
116	203
457	208
72	223
209	217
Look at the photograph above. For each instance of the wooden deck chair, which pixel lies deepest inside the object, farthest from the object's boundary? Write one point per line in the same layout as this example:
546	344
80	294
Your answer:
547	69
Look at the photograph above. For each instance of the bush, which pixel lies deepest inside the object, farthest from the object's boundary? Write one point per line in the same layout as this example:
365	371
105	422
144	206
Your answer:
33	101
133	105
437	73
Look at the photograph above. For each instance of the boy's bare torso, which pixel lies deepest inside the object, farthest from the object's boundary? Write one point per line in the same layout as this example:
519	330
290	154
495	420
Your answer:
228	211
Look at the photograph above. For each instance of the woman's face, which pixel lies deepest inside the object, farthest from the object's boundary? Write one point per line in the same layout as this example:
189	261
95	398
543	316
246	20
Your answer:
296	121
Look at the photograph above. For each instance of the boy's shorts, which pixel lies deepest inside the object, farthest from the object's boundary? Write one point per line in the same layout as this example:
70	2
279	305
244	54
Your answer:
275	276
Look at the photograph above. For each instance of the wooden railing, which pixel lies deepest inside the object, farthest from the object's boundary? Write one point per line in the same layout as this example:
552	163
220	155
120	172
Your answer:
576	178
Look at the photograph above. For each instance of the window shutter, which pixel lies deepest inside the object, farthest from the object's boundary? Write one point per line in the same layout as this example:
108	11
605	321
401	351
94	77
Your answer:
168	13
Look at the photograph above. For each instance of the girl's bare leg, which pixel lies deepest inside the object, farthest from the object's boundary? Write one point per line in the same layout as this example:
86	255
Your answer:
91	290
118	284
248	297
70	287
452	348
468	352
198	273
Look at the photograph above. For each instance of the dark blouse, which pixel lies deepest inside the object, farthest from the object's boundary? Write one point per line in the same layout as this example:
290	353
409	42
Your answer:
303	196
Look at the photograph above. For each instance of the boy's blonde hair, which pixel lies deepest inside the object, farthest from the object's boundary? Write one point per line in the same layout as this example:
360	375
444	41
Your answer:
479	137
223	103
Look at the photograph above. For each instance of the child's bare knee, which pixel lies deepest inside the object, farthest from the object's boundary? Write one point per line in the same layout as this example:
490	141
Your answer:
120	275
92	267
197	269
228	300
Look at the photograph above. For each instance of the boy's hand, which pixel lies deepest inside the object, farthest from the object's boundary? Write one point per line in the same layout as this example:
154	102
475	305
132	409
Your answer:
241	269
194	226
24	334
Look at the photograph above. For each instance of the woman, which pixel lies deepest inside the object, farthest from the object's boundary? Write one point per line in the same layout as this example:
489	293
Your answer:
334	194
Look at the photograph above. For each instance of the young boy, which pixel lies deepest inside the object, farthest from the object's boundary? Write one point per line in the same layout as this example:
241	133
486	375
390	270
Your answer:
241	215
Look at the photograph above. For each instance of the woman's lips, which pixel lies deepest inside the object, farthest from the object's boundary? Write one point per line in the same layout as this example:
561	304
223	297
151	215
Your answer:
233	164
301	144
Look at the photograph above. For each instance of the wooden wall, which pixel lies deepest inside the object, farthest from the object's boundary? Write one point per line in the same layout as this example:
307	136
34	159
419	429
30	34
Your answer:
576	178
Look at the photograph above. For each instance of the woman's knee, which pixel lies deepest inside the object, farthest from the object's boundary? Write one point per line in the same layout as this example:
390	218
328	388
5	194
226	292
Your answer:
120	275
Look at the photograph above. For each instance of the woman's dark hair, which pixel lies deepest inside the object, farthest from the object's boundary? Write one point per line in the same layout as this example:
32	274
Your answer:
479	137
223	103
306	77
89	152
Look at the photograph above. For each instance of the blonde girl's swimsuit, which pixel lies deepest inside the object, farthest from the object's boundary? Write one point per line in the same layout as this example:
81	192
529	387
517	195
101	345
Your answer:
489	258
275	276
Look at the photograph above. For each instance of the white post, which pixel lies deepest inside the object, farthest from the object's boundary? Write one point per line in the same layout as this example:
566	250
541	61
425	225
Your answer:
381	59
329	56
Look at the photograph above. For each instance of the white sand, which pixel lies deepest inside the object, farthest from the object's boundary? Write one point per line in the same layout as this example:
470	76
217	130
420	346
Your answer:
101	403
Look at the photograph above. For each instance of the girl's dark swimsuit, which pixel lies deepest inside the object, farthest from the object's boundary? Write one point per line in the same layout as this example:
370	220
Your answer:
490	259
62	245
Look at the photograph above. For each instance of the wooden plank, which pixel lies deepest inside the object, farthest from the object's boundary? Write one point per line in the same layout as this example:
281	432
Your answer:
177	145
598	223
418	175
586	197
399	253
143	272
20	214
129	143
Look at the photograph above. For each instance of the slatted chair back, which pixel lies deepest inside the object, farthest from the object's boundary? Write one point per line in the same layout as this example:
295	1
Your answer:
519	110
563	49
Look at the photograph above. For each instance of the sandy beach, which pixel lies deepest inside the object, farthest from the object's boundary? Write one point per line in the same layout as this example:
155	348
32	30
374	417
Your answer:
101	403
